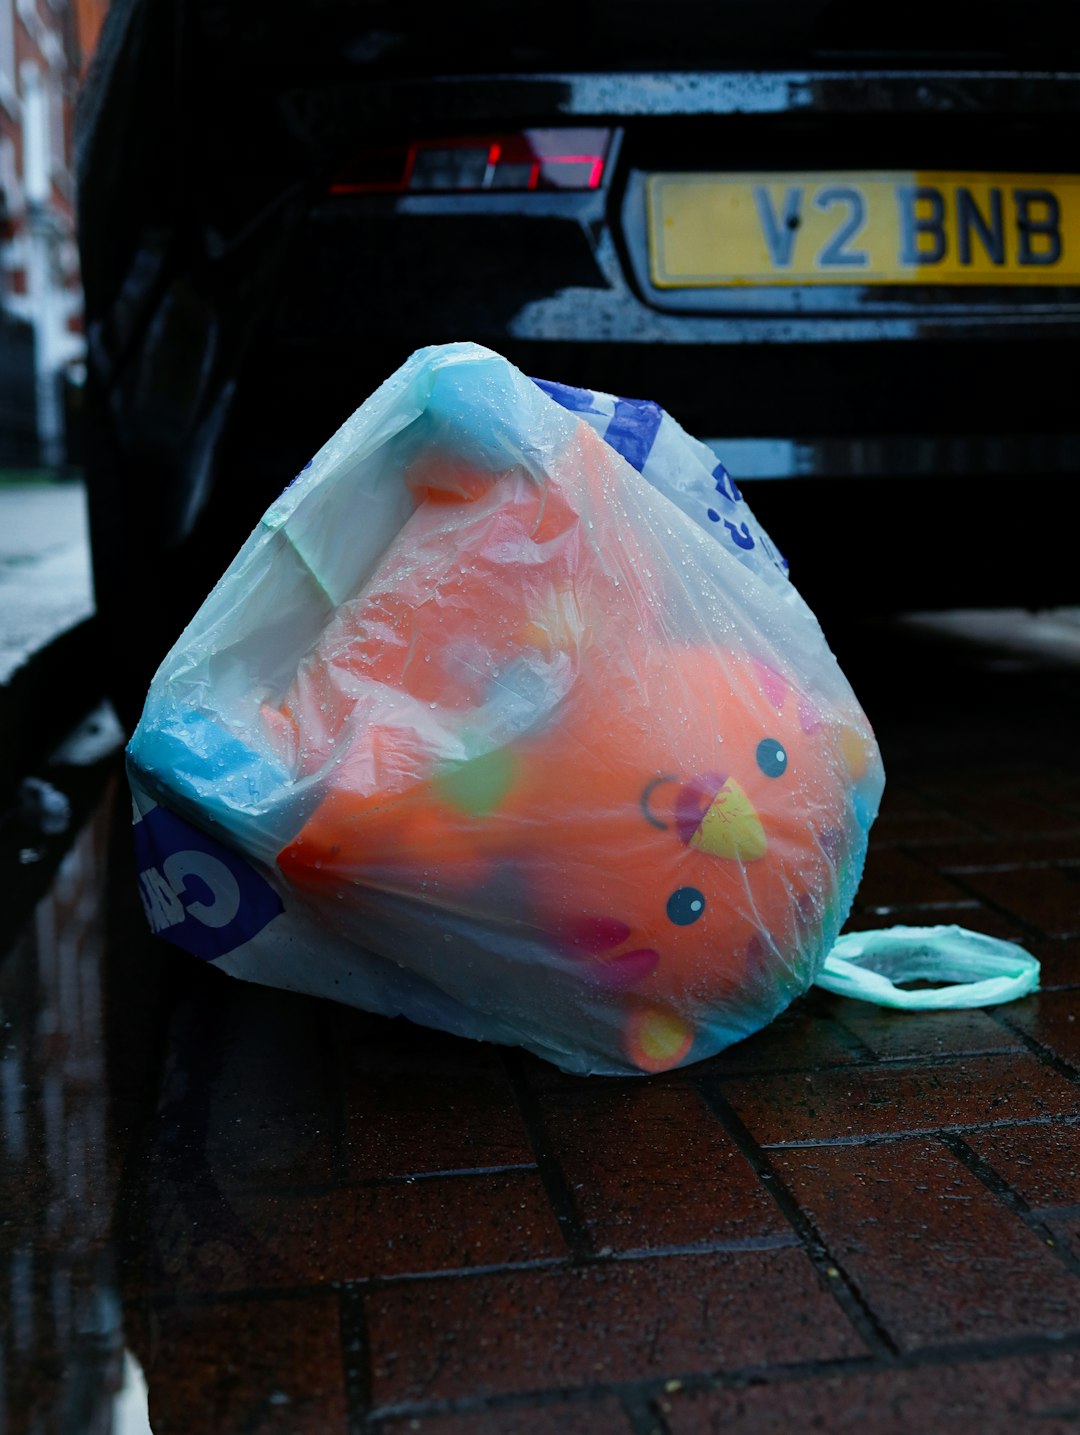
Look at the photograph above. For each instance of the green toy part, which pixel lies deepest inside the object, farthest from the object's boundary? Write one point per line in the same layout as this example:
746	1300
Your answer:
476	785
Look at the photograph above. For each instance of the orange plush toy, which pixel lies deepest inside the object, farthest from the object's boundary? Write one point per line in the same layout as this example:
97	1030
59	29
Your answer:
664	829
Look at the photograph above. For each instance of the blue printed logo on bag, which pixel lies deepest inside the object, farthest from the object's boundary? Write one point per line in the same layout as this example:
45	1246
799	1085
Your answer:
196	892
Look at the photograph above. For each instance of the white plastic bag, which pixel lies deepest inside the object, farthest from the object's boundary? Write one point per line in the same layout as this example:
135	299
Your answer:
485	727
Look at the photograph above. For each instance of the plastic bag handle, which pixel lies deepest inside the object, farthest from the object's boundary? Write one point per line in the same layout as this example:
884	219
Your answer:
984	971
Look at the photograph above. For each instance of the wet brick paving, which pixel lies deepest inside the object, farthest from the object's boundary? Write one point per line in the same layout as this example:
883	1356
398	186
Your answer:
298	1219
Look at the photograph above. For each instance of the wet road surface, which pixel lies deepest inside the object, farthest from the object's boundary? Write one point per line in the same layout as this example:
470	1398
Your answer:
286	1216
45	581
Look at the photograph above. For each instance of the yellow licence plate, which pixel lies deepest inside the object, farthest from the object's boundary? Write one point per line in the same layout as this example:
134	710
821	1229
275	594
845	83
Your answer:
714	230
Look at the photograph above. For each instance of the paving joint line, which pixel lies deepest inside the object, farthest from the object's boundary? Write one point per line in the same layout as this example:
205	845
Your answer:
320	1290
981	1352
656	1388
1031	932
643	1415
355	1359
642	1393
984	1172
1070	1212
1045	1054
603	1260
1036	864
915	847
740	1245
251	1187
862	1053
916	1133
835	1278
634	1394
965	904
559	1192
982	832
931	1060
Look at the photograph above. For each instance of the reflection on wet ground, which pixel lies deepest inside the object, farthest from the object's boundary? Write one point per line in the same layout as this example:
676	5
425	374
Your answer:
295	1218
64	1362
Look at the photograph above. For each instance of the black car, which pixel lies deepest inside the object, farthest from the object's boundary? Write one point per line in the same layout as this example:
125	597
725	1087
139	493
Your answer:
840	242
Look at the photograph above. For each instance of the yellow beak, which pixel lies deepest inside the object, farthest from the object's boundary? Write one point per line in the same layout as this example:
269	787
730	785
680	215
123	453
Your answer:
731	827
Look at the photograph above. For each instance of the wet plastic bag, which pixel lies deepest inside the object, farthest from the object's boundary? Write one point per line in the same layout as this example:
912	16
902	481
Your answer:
508	719
960	968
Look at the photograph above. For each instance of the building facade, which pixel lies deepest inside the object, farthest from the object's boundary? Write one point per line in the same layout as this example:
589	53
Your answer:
45	46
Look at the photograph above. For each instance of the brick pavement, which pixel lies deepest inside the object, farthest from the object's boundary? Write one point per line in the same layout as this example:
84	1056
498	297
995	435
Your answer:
855	1220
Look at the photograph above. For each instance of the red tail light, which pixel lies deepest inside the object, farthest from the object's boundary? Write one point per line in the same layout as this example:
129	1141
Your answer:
562	159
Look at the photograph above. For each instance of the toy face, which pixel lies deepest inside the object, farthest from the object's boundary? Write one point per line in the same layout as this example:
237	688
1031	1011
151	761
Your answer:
688	818
675	832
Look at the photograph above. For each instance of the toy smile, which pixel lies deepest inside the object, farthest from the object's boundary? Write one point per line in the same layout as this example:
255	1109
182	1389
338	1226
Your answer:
597	937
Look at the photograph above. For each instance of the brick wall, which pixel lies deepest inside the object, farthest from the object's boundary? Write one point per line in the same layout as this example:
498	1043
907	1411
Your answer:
45	46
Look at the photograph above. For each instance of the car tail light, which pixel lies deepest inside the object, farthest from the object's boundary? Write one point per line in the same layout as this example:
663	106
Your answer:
561	159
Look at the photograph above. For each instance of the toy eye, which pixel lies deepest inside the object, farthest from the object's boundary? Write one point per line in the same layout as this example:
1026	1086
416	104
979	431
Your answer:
771	757
685	906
